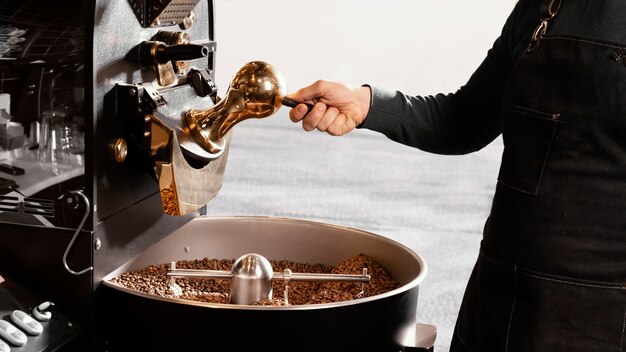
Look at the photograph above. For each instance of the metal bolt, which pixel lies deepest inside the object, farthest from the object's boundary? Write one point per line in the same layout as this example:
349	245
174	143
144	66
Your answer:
132	92
146	134
98	244
188	21
120	150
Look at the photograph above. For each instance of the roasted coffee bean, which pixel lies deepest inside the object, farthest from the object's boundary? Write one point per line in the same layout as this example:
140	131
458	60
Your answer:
153	280
170	201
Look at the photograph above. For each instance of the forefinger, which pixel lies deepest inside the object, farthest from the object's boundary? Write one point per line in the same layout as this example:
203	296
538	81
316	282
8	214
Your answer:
310	93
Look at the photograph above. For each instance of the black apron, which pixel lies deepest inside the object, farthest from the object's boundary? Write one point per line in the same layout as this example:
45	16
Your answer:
552	269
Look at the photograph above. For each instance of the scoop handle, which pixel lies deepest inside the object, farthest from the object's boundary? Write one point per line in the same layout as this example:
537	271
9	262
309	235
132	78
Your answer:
292	104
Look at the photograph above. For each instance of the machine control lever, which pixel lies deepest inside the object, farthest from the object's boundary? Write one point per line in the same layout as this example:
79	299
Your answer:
41	313
155	52
160	56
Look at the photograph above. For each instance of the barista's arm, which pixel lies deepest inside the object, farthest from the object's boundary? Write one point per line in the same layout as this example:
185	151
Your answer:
464	121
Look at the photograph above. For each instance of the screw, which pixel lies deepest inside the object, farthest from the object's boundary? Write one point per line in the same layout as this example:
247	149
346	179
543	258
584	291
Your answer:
120	150
98	244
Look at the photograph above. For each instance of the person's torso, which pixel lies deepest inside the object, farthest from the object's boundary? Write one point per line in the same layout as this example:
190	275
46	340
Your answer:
560	202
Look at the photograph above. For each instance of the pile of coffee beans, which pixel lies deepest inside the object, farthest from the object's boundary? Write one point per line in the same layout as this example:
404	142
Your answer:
170	201
153	280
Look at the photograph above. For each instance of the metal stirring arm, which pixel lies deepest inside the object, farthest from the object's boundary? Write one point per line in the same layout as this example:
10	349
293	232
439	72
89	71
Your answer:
197	273
255	282
287	275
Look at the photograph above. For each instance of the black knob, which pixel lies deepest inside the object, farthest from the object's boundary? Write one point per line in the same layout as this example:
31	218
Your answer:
180	52
151	53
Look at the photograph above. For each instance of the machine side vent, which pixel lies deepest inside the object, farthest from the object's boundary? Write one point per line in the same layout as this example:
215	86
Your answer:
155	13
10	204
138	7
43	207
32	206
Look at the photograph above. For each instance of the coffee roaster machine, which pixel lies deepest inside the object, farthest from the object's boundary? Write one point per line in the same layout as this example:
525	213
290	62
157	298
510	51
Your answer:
115	141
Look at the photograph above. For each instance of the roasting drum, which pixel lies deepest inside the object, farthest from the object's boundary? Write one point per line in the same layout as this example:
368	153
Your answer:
385	322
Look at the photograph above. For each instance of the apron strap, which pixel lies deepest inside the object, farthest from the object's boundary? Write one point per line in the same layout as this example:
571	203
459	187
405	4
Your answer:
549	10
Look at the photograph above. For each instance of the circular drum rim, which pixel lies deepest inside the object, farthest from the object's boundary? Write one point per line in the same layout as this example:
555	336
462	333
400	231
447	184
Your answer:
419	260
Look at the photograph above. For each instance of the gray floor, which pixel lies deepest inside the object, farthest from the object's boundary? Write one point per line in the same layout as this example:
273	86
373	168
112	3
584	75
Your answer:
435	205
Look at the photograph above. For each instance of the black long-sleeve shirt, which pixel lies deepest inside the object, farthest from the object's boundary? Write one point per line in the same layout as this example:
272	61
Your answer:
464	121
469	119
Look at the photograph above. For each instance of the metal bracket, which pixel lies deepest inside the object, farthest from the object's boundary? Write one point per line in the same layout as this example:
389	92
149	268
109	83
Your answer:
78	229
135	103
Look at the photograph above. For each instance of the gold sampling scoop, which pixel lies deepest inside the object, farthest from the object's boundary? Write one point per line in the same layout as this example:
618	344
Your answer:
256	91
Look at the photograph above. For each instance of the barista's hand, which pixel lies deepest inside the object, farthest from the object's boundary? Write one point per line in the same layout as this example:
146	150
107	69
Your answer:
338	109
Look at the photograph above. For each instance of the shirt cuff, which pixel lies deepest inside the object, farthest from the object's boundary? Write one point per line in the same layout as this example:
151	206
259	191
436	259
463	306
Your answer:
381	116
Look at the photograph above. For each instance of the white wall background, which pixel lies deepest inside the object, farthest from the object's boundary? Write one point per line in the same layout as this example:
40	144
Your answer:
435	205
417	46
